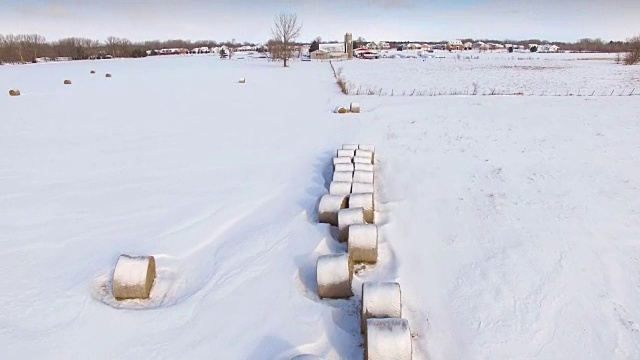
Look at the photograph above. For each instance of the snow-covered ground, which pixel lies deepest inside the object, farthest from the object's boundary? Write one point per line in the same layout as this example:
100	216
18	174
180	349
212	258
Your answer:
498	73
511	223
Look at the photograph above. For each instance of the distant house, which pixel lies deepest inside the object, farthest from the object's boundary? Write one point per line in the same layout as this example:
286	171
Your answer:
371	46
384	45
455	45
245	48
427	47
554	48
468	46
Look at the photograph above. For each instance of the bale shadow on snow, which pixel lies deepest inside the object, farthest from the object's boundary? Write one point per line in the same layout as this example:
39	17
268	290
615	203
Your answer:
323	175
270	348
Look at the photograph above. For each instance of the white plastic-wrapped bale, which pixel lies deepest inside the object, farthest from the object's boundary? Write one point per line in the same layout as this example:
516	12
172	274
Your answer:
346	176
358	187
346	218
329	206
363	167
343	167
133	277
365	201
363	243
340	188
350	146
365	153
345	153
340	110
367	147
334	275
354	107
362	160
363	176
380	300
341	160
388	338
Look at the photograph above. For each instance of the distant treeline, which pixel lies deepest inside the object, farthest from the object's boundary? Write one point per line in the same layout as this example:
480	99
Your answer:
24	48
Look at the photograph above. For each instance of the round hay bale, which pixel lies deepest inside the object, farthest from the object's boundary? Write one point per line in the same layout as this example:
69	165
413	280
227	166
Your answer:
354	108
363	176
242	80
341	160
67	82
388	338
329	206
346	218
343	167
365	201
380	300
358	187
365	153
350	147
340	188
334	274
367	147
340	110
345	153
345	176
363	167
362	160
107	75
14	92
92	72
133	277
363	243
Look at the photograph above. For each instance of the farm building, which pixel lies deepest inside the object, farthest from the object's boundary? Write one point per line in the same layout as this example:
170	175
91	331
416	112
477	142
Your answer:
468	46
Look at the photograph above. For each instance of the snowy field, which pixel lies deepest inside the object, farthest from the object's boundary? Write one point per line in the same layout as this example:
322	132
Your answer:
497	73
512	223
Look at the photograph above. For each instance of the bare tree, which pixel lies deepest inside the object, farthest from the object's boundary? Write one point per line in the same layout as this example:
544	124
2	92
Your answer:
633	56
285	30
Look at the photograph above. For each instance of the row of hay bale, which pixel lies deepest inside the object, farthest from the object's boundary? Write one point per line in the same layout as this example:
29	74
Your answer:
16	92
350	205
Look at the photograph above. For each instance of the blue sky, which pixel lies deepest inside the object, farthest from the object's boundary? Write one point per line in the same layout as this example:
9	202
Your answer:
246	20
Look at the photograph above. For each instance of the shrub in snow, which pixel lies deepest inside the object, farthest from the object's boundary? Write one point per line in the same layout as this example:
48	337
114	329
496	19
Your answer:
343	167
365	201
350	147
341	160
67	82
380	300
242	80
334	274
387	339
354	107
107	75
14	92
347	217
362	160
363	167
92	72
340	188
345	153
363	176
366	154
133	277
363	243
346	176
329	206
341	110
359	187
